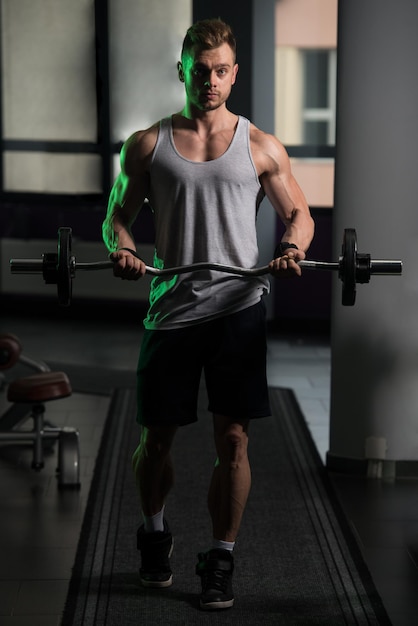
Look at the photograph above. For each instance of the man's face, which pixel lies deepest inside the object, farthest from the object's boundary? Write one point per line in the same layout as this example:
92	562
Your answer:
208	76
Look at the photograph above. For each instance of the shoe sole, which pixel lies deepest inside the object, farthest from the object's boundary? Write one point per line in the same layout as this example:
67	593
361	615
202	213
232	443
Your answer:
213	606
159	584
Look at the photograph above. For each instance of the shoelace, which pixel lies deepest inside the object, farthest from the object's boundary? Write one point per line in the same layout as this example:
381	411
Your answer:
216	580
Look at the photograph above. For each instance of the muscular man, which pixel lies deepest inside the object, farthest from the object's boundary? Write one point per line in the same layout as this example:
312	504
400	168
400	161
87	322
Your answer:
204	171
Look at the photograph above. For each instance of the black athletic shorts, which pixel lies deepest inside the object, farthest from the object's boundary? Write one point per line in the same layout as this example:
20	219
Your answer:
230	350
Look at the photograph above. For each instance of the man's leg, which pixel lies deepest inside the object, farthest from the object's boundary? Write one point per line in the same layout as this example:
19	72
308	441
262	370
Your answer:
231	478
153	468
227	497
154	476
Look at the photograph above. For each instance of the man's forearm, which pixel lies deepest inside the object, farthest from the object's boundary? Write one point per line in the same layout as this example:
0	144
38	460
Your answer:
300	230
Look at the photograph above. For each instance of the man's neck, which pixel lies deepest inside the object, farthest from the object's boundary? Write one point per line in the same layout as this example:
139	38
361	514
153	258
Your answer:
210	120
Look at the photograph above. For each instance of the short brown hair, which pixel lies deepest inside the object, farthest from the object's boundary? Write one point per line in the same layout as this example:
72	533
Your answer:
208	34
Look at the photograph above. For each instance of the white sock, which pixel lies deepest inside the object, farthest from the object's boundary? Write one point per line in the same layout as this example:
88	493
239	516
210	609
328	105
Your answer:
218	544
154	523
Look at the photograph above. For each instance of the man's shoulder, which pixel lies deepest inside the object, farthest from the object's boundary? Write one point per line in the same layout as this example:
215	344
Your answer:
267	142
268	152
146	135
260	137
142	142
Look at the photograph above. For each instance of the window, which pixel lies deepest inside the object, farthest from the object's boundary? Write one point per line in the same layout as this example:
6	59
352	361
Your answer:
305	92
319	97
48	88
76	79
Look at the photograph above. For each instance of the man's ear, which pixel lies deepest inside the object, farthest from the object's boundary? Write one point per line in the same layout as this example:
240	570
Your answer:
234	73
180	71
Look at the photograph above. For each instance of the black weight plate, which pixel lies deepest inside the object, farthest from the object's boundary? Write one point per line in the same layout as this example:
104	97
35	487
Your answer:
348	264
64	282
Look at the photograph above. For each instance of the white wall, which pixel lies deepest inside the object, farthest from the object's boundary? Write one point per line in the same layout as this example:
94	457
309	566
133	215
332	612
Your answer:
374	390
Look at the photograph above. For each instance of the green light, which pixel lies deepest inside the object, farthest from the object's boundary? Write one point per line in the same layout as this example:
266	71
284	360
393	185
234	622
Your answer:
159	285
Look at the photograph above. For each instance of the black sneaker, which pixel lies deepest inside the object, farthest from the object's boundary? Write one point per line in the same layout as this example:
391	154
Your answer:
215	570
156	549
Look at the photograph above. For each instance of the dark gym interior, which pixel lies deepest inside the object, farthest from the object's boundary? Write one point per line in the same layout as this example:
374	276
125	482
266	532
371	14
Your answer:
95	342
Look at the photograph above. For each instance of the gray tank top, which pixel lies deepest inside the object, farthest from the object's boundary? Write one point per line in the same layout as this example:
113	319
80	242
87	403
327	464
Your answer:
203	211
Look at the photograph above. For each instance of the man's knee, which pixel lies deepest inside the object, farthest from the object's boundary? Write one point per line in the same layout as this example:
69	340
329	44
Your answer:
154	443
156	440
231	438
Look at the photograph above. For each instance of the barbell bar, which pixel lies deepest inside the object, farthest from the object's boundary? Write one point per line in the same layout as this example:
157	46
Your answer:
60	267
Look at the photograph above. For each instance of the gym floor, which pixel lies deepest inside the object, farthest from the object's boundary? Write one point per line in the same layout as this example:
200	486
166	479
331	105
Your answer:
40	524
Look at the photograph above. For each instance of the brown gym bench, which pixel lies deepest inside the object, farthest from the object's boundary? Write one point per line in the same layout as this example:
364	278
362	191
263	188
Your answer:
28	396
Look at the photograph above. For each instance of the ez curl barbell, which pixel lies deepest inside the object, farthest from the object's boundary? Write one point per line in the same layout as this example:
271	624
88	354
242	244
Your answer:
59	268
